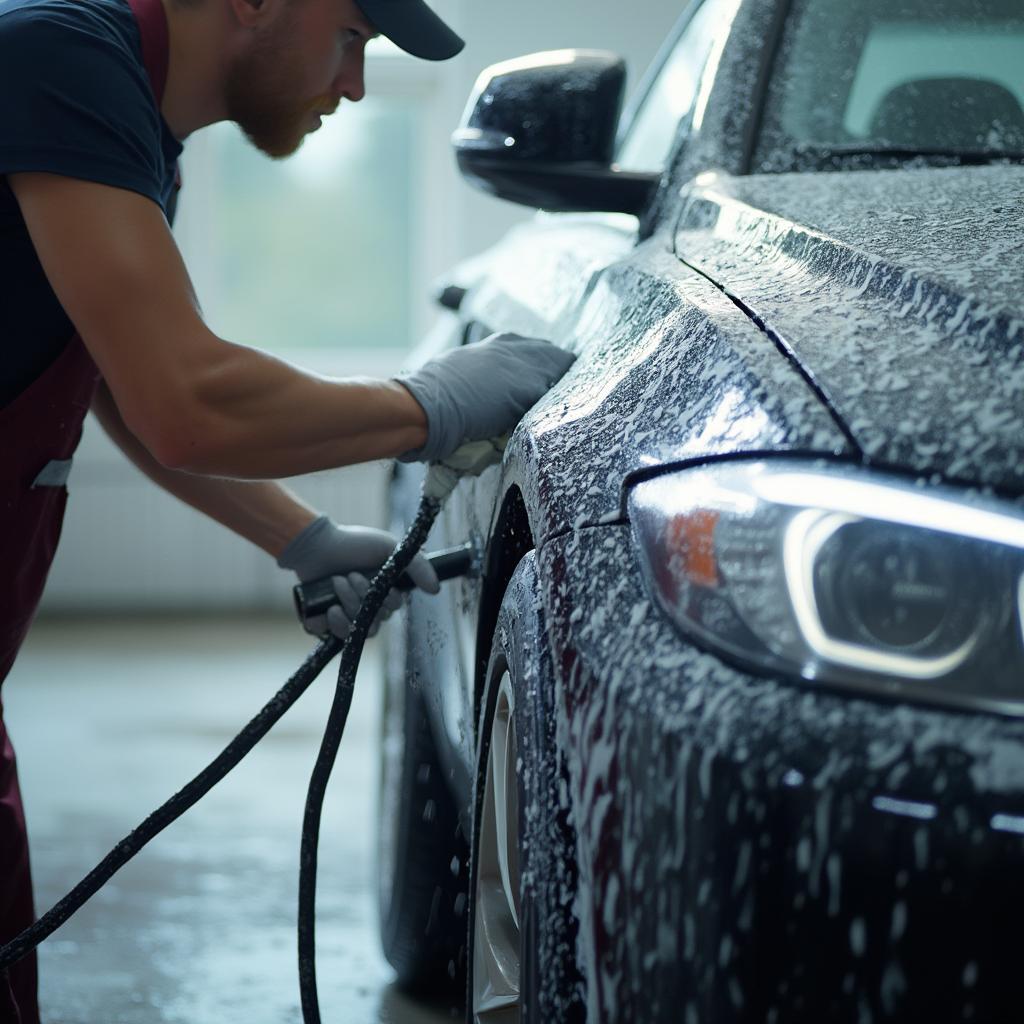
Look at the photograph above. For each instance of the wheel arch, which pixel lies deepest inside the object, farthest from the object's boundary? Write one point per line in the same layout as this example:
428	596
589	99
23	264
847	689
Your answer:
510	540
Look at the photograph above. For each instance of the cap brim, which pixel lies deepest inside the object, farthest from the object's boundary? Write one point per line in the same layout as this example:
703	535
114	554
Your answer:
412	26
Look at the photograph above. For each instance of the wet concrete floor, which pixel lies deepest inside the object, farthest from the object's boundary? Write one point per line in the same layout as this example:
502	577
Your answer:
109	718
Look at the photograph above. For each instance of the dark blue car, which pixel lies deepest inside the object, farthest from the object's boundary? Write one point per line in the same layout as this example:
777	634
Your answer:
728	725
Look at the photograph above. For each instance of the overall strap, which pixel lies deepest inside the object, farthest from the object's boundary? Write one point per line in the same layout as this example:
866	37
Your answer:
152	21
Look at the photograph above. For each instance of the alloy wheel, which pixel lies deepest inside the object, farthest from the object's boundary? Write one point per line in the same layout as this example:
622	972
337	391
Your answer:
496	956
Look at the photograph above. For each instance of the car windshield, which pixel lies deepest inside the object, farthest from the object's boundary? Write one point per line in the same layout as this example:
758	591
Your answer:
881	80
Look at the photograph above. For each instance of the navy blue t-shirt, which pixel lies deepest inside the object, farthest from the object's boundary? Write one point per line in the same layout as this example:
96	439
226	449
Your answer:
75	100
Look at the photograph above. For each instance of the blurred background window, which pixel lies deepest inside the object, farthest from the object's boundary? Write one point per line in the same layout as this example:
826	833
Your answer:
313	251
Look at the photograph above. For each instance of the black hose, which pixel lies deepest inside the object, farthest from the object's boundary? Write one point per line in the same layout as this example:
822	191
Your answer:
22	944
173	808
350	654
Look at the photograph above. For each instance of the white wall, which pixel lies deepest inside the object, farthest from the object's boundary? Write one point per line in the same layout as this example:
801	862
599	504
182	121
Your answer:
127	545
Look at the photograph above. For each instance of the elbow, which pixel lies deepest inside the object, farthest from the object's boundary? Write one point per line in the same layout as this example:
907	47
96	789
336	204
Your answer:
192	446
169	449
183	441
179	454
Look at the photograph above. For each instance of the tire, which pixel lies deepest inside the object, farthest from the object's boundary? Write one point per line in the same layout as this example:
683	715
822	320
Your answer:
522	935
422	853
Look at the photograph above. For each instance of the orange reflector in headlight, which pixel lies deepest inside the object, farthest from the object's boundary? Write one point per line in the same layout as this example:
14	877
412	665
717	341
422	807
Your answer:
691	545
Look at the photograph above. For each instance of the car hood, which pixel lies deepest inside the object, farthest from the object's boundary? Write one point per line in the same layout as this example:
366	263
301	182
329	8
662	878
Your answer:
899	294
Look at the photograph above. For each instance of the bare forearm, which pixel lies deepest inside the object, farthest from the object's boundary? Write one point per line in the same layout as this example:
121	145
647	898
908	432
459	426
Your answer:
263	512
248	415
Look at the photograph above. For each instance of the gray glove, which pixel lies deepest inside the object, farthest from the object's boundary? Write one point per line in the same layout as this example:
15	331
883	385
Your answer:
346	553
482	390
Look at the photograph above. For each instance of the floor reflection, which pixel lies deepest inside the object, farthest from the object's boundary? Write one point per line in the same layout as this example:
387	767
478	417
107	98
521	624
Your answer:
109	718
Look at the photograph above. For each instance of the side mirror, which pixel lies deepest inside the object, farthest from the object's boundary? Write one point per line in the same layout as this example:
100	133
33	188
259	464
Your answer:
540	130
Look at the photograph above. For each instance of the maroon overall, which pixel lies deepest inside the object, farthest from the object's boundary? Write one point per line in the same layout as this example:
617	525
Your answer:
39	432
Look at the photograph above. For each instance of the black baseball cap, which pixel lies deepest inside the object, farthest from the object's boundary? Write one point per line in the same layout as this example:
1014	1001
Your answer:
412	26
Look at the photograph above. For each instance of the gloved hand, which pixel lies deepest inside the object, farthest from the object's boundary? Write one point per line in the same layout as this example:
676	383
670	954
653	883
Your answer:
347	553
481	390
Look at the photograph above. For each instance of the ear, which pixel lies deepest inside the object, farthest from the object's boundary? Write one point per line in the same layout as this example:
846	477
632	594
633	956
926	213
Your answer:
251	13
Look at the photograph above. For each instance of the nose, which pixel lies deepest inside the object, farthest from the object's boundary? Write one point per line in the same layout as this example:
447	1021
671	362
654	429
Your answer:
350	84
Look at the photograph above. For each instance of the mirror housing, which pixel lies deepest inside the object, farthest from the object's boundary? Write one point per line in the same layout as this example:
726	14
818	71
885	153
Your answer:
540	131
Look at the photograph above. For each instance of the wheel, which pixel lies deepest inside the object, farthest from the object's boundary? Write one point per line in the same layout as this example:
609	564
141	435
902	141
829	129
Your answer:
422	853
522	876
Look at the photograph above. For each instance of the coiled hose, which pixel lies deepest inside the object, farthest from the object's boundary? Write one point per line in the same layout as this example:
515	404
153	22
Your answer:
440	480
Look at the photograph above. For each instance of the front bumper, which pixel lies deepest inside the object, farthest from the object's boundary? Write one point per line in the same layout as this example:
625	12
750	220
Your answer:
754	850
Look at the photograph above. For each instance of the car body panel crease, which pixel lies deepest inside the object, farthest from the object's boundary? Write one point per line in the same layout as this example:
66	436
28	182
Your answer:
911	323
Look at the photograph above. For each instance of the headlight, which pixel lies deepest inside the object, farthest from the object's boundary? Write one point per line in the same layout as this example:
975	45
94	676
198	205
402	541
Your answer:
840	575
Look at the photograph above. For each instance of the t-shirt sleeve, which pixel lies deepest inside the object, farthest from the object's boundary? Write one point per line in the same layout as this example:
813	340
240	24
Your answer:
75	101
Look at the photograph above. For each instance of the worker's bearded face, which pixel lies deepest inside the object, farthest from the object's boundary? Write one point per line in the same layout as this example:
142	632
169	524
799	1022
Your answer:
264	94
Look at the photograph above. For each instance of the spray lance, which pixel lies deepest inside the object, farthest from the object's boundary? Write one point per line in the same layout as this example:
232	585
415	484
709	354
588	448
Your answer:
469	460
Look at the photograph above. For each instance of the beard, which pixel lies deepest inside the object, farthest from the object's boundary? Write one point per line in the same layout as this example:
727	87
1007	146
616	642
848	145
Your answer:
262	99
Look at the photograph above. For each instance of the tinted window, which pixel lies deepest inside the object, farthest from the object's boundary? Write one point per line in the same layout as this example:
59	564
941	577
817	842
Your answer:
673	93
905	76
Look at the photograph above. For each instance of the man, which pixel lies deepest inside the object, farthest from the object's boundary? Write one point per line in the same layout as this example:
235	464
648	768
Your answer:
96	307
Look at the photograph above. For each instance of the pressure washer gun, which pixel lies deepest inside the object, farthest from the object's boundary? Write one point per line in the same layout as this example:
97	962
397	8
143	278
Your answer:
316	596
